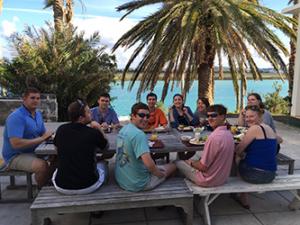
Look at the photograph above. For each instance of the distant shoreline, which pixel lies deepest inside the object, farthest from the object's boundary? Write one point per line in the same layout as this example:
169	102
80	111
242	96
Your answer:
227	76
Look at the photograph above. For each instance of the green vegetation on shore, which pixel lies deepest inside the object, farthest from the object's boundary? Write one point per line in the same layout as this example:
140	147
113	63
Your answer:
227	76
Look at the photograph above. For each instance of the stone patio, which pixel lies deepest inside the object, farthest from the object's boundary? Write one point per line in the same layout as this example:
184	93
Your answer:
266	209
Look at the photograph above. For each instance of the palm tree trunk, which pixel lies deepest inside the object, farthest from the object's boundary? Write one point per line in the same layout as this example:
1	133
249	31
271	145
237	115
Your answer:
205	82
58	10
292	60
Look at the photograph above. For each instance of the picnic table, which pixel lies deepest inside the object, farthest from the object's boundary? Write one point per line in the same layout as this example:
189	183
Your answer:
170	139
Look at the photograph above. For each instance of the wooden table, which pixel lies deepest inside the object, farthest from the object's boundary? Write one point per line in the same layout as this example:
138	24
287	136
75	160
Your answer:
171	141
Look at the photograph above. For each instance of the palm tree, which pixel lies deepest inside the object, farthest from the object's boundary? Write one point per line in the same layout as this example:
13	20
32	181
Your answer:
62	14
292	56
183	39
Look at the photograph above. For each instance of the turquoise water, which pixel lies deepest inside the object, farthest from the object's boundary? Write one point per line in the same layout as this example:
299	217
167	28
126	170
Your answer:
224	94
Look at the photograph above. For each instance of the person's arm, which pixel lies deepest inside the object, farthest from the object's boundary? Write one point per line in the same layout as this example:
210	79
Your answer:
241	118
279	139
188	113
247	139
19	143
150	165
173	121
162	119
197	165
115	121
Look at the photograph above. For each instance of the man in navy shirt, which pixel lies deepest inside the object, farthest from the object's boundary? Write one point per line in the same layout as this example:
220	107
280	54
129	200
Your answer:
104	114
24	131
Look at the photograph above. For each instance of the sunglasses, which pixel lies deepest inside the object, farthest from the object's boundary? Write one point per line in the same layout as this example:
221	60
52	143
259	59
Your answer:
80	102
102	100
212	115
142	115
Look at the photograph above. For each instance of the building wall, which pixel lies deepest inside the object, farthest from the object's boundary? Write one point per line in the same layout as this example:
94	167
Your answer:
48	107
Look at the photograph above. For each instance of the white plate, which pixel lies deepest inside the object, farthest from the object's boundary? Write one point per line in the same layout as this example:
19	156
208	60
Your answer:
194	142
160	129
185	138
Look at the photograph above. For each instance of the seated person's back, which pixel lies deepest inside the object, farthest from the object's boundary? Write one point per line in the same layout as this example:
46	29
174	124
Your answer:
76	148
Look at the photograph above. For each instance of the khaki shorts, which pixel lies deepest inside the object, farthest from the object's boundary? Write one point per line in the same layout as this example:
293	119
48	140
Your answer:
154	180
22	162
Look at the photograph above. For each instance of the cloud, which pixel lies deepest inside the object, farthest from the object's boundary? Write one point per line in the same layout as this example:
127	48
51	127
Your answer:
110	30
9	27
28	10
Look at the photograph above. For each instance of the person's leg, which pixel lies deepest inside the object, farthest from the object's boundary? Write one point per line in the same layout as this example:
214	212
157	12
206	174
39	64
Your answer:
186	170
30	163
41	171
168	169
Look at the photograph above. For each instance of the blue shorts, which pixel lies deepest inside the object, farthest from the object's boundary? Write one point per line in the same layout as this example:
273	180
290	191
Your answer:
254	175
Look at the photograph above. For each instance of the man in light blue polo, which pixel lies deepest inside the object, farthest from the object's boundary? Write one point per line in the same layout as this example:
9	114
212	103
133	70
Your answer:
104	114
24	131
135	170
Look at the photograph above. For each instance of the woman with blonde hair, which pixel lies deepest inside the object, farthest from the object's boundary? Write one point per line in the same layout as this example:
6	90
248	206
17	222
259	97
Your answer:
257	151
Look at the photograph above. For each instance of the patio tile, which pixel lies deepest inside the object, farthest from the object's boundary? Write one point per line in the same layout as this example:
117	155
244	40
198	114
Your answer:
238	219
71	218
121	216
279	218
166	222
267	202
15	214
169	212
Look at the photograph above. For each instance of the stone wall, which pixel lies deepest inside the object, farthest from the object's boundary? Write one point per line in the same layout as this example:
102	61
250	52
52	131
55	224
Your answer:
48	107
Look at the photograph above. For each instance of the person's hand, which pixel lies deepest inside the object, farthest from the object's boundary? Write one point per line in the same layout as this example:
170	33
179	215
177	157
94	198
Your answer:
95	125
185	110
243	112
47	135
104	125
189	162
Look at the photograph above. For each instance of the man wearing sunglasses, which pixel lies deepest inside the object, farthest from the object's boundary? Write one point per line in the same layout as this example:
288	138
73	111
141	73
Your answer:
214	167
24	131
104	115
135	170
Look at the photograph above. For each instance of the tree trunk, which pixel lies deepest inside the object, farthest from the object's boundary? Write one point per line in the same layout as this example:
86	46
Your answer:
205	82
58	10
292	60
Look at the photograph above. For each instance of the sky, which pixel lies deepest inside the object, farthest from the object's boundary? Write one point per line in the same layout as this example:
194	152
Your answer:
95	15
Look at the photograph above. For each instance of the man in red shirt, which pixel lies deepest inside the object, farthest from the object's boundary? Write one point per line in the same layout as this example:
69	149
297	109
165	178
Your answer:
157	117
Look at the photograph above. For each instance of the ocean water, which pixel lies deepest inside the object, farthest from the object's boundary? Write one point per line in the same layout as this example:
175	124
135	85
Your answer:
224	94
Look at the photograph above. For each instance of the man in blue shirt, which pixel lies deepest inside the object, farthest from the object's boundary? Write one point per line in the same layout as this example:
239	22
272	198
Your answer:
104	114
24	131
135	170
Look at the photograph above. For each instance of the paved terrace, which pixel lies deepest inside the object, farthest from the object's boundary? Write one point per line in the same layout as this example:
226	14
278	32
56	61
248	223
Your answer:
266	209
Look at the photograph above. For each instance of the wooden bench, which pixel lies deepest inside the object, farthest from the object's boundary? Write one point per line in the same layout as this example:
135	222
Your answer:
109	197
286	160
237	185
12	174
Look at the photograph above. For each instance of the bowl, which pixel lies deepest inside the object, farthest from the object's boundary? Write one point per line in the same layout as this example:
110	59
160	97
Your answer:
185	138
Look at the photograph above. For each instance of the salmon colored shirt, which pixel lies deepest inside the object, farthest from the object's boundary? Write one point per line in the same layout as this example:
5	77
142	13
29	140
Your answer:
157	118
217	157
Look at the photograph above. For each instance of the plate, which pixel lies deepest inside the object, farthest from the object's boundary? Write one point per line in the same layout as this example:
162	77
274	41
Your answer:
160	129
193	141
188	128
185	138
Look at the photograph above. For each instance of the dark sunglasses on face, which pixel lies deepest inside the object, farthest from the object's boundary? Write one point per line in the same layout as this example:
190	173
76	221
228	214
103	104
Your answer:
142	115
102	100
212	115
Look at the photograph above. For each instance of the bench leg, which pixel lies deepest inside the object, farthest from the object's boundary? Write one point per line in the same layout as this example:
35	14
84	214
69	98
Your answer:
29	186
188	208
295	203
204	204
291	167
